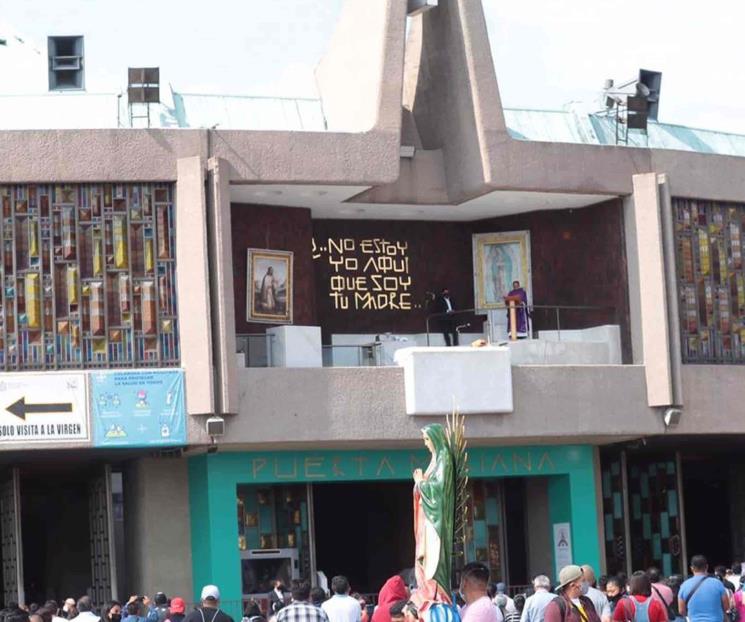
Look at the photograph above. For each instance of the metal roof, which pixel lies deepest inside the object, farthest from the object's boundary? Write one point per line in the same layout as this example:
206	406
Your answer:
243	112
594	129
84	109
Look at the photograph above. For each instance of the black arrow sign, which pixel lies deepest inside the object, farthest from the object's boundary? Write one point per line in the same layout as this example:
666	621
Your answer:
20	408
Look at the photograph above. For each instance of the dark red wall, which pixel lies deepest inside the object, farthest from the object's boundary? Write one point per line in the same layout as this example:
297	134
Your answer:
439	255
285	229
577	257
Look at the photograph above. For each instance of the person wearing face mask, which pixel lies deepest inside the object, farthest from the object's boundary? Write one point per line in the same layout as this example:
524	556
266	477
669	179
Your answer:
277	596
571	605
615	590
112	612
589	589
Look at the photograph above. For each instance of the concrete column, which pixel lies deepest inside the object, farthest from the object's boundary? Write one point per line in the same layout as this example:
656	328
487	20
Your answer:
223	297
653	307
573	499
214	542
192	283
360	76
673	311
737	509
158	527
539	529
632	269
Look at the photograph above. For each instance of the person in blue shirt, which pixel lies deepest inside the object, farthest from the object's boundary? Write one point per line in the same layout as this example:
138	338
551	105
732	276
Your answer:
702	598
134	610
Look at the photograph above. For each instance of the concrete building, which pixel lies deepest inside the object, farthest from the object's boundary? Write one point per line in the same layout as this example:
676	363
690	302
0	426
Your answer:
138	312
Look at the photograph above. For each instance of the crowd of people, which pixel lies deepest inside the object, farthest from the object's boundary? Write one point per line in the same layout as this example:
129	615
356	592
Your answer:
578	596
137	609
645	596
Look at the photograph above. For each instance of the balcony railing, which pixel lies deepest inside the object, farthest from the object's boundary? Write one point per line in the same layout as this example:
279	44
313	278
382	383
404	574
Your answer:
256	349
542	318
362	355
586	334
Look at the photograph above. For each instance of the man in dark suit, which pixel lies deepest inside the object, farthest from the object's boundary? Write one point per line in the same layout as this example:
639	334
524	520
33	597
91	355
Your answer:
444	305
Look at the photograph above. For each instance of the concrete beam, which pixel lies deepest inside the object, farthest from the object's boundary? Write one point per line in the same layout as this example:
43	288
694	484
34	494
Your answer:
652	290
360	77
192	284
159	555
221	286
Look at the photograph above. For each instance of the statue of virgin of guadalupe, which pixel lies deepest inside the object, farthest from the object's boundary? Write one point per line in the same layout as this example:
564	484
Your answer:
439	503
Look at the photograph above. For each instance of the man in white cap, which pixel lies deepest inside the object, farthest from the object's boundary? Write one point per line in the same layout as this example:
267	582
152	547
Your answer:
571	605
210	610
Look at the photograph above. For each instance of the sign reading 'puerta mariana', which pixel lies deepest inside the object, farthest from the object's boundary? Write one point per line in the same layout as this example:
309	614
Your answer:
395	464
370	274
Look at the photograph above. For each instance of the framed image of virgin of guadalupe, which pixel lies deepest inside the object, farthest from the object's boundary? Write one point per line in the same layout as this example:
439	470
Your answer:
269	286
500	259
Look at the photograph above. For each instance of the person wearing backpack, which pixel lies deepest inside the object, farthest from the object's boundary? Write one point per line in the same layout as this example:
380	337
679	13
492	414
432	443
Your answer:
571	605
702	598
639	606
661	592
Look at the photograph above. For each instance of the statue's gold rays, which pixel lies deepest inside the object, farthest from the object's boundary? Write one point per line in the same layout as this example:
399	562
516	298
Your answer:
456	438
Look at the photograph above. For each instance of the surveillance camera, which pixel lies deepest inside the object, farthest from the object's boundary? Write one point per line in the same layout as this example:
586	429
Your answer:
215	426
671	416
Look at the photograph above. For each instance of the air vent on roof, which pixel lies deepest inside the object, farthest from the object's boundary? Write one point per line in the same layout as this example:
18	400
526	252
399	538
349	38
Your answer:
65	63
143	89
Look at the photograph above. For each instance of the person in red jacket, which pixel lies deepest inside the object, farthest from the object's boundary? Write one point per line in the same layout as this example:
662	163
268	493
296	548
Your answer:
639	606
394	590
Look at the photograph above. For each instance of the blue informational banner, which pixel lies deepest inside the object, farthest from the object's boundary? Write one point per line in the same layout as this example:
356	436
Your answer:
138	408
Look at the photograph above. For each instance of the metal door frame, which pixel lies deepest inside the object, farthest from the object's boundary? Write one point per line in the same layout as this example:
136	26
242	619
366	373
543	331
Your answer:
312	534
14	483
109	574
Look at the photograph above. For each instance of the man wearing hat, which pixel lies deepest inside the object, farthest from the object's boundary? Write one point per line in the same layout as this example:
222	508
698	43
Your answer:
571	605
210	610
177	610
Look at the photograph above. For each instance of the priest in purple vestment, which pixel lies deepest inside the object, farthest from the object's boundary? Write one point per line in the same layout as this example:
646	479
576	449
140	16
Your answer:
523	316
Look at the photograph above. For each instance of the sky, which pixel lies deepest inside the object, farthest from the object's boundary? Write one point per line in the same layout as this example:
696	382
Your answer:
547	53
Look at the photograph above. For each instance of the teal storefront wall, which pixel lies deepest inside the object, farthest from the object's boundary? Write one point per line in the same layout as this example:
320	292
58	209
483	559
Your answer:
214	478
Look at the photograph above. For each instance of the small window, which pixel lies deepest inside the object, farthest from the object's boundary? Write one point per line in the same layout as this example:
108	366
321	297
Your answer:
66	63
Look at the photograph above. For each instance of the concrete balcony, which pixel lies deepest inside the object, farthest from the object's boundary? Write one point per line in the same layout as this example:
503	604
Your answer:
343	407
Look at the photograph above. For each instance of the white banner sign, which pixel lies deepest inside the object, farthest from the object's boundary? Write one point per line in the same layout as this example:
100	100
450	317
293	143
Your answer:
43	407
562	545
